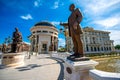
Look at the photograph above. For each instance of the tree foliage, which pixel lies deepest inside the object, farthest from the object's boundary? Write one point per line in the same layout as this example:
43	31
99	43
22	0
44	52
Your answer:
117	47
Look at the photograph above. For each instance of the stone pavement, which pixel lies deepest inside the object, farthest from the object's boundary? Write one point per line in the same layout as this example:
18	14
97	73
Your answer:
39	67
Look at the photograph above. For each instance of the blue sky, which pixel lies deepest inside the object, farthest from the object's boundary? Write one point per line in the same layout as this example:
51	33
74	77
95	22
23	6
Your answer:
101	15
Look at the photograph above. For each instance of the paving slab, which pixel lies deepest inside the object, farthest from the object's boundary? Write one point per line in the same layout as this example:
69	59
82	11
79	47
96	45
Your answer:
39	67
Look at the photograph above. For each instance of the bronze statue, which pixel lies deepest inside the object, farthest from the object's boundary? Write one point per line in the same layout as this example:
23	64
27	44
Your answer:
75	30
17	41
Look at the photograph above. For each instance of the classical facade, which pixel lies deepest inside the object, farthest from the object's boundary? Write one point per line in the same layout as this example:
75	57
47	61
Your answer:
44	37
94	41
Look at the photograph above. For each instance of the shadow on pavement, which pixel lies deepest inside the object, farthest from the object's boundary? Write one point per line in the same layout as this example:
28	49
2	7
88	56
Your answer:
31	66
2	66
28	67
60	61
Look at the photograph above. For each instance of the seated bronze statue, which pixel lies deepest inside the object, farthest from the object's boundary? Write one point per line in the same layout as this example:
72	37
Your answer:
17	41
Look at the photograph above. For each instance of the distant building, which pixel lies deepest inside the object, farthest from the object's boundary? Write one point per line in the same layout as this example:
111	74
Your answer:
0	47
44	37
26	46
94	41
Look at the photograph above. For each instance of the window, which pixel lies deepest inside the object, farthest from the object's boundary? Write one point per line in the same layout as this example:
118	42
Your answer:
87	48
91	48
38	31
95	49
50	32
98	49
33	31
55	33
110	48
45	31
102	48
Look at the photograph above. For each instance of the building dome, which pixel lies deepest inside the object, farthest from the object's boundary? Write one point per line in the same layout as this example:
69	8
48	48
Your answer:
44	24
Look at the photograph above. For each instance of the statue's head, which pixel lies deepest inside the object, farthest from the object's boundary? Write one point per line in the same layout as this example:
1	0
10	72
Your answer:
72	7
16	29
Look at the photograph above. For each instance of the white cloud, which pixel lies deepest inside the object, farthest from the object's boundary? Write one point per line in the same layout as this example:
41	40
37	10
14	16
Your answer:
61	42
101	6
37	3
55	22
56	5
109	22
115	35
26	17
96	7
26	42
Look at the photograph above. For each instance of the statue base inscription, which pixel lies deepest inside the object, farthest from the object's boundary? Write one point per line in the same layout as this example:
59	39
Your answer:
78	70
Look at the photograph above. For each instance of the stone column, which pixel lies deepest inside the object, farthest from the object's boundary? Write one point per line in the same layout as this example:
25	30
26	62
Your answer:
78	70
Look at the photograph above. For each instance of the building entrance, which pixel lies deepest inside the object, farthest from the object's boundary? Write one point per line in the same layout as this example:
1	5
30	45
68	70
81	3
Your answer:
44	47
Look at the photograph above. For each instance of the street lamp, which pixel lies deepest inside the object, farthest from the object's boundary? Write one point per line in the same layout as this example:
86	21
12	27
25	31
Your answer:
64	31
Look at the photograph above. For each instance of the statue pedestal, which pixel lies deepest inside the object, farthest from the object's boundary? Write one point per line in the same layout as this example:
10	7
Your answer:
13	59
78	70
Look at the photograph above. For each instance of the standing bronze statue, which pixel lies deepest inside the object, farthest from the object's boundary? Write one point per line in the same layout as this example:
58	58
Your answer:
17	41
75	32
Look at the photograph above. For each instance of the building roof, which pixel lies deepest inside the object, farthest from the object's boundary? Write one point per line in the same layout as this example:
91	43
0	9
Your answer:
44	24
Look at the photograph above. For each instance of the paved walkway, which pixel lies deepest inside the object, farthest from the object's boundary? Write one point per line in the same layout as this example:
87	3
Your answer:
39	67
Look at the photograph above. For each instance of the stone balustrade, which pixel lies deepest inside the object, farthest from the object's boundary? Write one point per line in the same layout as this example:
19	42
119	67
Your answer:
94	74
101	75
60	55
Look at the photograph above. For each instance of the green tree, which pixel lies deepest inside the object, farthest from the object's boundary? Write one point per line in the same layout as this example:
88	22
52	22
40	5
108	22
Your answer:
117	47
62	49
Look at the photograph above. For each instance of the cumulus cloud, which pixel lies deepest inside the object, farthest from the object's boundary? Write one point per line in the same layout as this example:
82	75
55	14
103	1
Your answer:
108	22
26	42
101	6
61	42
96	7
55	22
37	3
57	4
114	35
26	17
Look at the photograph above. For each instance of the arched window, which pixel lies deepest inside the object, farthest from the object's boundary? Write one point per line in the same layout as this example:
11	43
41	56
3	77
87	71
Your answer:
94	48
102	48
91	48
98	49
87	48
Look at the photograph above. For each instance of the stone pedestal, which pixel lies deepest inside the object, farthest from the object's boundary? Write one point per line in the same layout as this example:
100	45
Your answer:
13	59
78	70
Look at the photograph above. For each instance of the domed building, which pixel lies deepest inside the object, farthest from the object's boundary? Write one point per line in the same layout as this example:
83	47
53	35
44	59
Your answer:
44	37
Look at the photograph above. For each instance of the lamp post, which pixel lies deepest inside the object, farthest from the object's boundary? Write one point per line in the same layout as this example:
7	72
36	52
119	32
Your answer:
36	48
65	32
